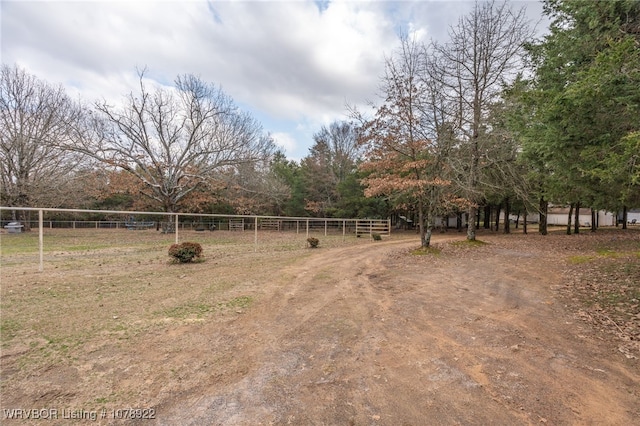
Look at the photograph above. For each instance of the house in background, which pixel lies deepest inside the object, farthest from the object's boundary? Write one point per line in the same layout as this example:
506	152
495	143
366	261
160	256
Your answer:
633	217
404	222
557	215
531	218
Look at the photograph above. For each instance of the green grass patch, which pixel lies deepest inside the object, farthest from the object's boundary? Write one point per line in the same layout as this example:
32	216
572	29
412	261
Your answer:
18	243
602	252
200	310
580	259
8	329
239	302
74	241
197	310
606	252
424	251
323	275
469	243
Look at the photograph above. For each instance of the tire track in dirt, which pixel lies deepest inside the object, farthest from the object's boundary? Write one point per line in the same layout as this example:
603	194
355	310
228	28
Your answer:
292	326
352	336
295	305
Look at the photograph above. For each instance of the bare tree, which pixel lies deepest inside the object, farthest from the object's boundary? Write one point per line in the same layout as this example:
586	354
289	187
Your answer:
174	140
35	118
254	188
340	139
406	142
331	160
482	55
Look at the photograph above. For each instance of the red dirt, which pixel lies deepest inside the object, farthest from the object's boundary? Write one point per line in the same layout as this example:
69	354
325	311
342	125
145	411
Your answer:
376	336
372	335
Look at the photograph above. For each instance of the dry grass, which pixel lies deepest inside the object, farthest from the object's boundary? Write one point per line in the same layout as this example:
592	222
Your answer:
115	288
115	285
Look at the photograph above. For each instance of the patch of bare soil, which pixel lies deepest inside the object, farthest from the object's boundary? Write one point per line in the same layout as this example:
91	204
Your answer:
374	335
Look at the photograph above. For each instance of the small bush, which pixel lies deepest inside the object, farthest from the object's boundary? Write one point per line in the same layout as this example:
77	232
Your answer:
313	242
185	252
376	237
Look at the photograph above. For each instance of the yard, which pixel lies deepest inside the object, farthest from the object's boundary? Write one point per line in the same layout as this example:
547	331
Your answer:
522	329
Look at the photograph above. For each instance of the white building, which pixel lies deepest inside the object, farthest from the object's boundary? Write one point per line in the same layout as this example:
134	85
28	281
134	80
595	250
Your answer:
559	215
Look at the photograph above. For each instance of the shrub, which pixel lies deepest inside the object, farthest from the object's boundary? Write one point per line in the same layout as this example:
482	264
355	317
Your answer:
313	242
185	252
376	237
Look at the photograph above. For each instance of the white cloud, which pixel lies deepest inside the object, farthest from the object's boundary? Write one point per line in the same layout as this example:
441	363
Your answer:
295	61
285	141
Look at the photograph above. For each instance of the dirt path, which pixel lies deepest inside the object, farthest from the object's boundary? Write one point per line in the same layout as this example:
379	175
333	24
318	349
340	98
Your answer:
365	335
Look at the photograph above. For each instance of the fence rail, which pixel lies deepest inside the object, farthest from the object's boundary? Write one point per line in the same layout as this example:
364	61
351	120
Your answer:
178	222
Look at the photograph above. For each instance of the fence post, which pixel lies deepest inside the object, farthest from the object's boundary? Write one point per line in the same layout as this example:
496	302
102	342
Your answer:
344	226
325	227
176	228
40	240
255	235
307	228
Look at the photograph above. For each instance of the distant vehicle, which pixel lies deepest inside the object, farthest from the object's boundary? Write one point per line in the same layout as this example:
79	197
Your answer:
14	227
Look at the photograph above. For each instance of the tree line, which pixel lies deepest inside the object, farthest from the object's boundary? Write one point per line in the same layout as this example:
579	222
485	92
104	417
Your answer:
493	117
489	117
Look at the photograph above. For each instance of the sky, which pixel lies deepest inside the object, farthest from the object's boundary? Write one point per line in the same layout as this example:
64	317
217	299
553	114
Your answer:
294	65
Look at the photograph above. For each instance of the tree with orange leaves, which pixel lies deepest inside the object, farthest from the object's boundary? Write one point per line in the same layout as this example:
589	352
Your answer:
406	142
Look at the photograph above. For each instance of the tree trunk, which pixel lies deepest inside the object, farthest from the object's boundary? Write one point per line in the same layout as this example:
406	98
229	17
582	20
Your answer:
24	217
471	229
459	221
426	242
421	227
544	205
624	217
430	217
524	224
518	219
594	219
487	216
22	200
169	226
498	208
569	219
507	210
576	225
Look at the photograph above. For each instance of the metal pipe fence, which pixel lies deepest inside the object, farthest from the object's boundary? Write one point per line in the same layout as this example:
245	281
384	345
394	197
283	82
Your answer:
175	223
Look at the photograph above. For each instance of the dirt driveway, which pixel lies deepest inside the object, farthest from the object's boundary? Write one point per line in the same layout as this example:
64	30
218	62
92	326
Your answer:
363	333
374	336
